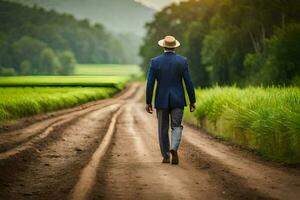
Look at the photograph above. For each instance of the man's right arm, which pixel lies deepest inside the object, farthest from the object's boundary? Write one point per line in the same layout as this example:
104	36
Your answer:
150	87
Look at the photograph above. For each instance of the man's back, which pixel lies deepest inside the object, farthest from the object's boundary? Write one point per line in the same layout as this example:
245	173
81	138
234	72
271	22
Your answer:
169	69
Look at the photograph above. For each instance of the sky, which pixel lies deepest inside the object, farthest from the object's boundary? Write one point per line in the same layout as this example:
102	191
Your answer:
157	4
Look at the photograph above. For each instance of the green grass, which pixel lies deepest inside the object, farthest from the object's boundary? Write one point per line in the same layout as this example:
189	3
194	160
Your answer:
16	102
22	96
264	119
86	75
108	70
87	81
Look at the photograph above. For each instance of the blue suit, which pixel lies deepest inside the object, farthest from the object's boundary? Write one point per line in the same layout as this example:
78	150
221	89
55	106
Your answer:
169	69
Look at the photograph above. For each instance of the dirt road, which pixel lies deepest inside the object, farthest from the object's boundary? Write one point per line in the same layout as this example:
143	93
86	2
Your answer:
108	150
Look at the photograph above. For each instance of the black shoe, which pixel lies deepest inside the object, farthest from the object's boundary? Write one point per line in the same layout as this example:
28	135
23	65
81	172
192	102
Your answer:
166	160
175	159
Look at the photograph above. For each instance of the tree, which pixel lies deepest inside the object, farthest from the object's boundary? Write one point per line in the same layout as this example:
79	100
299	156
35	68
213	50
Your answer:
68	63
214	56
4	71
193	46
27	48
279	61
218	35
49	62
26	67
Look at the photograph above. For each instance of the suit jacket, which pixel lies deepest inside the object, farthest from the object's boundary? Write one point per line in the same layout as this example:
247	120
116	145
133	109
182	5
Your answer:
169	69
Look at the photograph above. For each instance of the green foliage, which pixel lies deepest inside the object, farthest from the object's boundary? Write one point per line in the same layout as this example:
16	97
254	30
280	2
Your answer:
7	71
194	40
25	67
68	61
279	61
214	56
25	101
265	119
27	49
32	56
296	81
59	81
48	62
217	36
25	33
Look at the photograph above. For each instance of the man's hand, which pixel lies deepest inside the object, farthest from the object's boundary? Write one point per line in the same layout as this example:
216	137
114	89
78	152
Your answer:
192	107
149	108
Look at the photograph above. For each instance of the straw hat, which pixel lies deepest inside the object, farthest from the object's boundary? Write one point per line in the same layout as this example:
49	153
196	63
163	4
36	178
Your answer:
169	42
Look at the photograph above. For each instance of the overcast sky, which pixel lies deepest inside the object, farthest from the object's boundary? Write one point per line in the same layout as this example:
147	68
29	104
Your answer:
157	4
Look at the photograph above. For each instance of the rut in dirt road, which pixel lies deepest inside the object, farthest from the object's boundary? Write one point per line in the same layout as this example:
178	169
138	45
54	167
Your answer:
48	168
109	150
21	140
133	169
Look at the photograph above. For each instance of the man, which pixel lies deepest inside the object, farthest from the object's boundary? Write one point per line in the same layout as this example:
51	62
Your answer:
169	69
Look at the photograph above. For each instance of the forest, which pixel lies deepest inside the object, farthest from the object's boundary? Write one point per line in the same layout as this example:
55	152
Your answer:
36	41
232	42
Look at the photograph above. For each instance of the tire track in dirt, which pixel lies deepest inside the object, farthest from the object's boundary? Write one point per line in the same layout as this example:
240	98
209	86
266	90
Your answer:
57	165
275	182
17	142
87	177
53	170
255	179
228	167
133	168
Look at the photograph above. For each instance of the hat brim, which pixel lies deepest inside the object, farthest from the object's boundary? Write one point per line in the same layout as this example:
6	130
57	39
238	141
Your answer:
162	44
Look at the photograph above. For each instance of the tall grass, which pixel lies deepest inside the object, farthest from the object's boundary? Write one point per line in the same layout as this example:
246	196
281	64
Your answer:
25	101
264	119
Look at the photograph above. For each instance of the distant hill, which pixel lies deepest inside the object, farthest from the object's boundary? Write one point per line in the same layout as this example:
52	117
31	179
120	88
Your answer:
116	15
36	41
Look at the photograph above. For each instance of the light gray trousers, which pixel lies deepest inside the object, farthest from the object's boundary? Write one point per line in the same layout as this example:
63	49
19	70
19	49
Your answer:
163	117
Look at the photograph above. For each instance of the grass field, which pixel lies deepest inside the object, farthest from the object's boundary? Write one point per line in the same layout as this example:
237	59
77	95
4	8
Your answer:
68	81
25	101
267	120
107	70
22	96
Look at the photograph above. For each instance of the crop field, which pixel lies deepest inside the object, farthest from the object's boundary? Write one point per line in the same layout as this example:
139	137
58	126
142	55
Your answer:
67	81
88	75
22	96
264	119
108	70
16	102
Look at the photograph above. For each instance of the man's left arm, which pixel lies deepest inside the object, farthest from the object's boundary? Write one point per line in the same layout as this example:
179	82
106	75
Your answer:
149	88
189	86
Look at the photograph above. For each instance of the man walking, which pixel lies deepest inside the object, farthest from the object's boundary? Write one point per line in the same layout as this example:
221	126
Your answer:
169	69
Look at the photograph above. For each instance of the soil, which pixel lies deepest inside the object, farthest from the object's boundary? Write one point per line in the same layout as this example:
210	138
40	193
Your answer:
109	149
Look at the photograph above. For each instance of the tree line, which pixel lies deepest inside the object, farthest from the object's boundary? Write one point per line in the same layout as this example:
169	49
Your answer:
243	42
37	41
